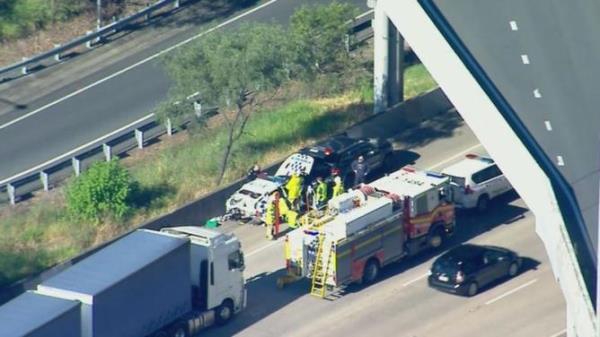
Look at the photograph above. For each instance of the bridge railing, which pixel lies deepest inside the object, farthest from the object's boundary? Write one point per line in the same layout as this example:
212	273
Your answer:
136	134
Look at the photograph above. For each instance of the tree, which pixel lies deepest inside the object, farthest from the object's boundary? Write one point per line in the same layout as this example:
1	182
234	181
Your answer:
319	34
232	70
105	188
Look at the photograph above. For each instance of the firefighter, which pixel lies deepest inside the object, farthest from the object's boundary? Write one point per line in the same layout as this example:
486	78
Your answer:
321	192
338	186
272	215
294	188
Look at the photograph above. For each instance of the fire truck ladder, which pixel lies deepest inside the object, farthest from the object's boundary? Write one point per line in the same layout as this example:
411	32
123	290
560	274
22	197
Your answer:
320	271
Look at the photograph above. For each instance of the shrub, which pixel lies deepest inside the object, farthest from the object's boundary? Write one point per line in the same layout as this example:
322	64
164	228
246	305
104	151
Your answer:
105	189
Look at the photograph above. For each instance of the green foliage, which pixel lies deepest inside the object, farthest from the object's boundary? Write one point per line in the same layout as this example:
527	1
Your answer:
20	17
104	189
319	34
222	66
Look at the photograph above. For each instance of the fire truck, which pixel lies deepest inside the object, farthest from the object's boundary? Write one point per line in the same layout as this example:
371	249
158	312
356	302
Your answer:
363	230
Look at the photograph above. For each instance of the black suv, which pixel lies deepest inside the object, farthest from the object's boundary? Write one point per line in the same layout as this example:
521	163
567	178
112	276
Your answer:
467	268
336	154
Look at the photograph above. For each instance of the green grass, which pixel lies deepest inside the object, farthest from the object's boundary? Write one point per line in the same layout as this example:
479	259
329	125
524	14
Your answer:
42	234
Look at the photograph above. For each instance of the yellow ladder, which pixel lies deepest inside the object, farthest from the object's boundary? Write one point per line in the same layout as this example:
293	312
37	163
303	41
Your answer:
320	272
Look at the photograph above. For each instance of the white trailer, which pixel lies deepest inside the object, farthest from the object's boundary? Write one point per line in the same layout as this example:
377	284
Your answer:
170	283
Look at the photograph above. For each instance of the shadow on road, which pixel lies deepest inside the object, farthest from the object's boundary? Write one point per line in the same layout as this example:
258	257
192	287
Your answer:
440	126
263	300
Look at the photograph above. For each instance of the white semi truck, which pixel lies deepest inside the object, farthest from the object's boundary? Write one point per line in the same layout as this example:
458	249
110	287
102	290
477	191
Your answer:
168	283
363	230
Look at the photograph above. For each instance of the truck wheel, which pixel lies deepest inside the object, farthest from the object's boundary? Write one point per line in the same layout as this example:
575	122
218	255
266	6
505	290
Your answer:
483	203
224	312
436	237
371	271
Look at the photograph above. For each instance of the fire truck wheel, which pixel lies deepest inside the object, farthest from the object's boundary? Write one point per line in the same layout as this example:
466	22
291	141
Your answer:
436	237
224	312
371	271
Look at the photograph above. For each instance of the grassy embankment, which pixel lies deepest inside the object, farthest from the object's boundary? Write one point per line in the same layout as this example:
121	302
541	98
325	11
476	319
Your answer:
40	234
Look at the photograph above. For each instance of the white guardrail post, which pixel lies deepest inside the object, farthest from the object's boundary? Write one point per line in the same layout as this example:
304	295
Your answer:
107	149
45	180
10	188
76	166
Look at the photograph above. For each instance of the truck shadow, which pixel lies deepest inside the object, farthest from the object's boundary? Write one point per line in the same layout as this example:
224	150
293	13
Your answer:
469	225
263	300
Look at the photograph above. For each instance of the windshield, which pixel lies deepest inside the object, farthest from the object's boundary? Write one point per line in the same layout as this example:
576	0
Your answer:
252	195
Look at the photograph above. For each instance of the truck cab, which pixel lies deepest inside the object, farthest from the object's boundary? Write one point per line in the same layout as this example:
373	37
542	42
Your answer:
217	265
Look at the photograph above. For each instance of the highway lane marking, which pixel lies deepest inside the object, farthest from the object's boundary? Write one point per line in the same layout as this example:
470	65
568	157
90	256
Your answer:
270	244
364	14
150	58
510	292
513	25
415	280
525	58
537	93
449	159
548	125
560	333
124	70
68	154
560	161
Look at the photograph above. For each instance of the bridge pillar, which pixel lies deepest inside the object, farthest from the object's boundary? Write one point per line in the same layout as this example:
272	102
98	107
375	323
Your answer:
388	61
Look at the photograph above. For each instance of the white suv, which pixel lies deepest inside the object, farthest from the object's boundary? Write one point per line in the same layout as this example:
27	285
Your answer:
476	180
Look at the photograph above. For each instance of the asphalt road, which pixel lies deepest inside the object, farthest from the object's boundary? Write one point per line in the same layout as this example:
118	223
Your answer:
35	129
401	304
542	56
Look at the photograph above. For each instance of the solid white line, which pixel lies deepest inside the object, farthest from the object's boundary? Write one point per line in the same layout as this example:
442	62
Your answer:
513	25
270	244
16	120
511	292
415	280
525	59
63	156
460	154
560	333
548	125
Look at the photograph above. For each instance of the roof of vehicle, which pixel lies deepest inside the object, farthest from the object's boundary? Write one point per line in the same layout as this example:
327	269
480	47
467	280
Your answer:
335	144
469	165
461	253
114	262
30	311
262	185
409	181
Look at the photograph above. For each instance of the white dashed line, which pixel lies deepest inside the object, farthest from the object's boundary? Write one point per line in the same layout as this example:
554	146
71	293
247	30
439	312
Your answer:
560	161
415	280
525	59
513	25
548	125
258	250
537	93
560	333
510	292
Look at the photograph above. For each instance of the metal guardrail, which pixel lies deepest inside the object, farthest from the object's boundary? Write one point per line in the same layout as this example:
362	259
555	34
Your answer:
136	134
90	39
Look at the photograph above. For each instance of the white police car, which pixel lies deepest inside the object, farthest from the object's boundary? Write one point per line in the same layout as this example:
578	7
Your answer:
250	201
476	180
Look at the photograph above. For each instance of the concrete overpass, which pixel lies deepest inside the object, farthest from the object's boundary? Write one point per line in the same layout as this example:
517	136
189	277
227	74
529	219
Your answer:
523	76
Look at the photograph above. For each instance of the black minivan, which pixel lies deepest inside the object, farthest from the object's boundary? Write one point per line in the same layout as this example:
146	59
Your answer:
467	268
